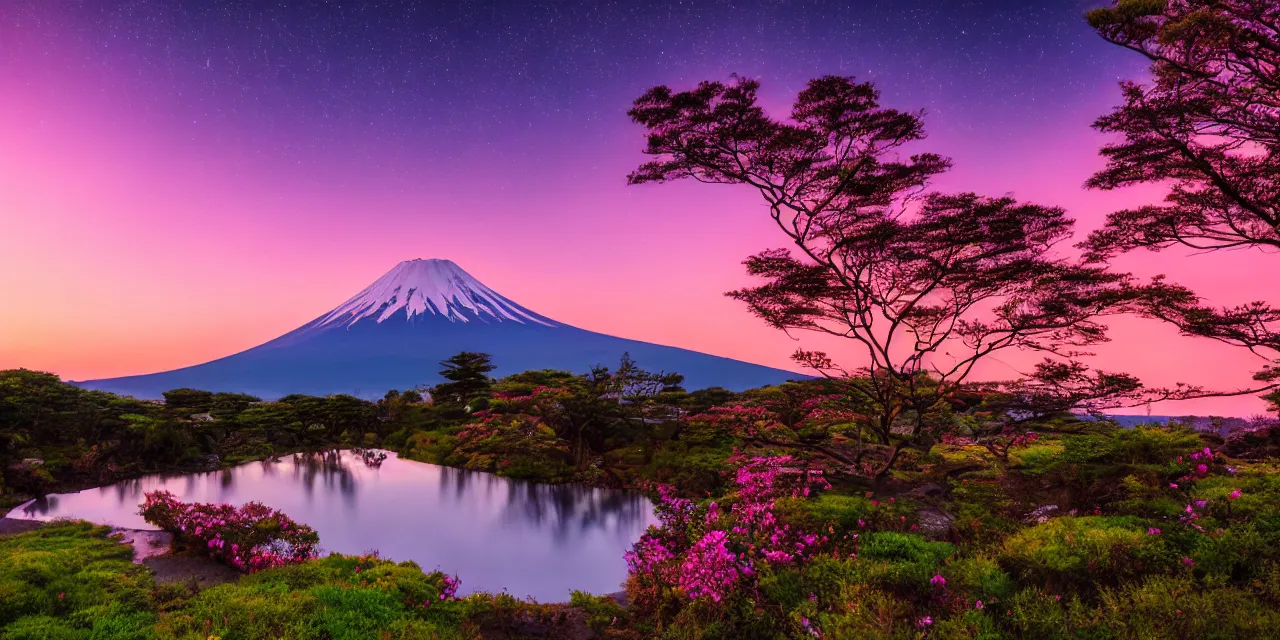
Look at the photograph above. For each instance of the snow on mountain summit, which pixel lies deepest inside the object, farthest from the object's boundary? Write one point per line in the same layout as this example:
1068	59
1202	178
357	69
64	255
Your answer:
429	287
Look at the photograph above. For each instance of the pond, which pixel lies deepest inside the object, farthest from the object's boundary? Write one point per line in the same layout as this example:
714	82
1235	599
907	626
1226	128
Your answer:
494	533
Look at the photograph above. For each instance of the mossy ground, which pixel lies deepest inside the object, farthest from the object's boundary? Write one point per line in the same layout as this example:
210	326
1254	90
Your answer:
72	580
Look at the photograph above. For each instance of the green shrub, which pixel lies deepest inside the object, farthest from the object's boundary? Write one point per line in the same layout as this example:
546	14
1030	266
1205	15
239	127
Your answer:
898	563
978	578
1178	607
889	545
603	612
429	446
1078	552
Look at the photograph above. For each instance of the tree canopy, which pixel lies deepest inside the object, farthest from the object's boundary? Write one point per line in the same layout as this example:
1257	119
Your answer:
1207	125
928	284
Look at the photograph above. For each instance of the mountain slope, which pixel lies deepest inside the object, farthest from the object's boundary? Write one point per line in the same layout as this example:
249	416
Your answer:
394	333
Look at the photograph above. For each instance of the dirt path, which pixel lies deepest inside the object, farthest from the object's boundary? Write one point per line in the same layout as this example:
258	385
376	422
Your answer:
201	570
13	525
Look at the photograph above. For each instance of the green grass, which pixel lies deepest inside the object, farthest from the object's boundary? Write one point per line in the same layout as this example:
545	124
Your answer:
70	580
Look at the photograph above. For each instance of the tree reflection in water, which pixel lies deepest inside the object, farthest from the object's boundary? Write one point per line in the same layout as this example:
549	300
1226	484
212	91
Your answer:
562	509
330	468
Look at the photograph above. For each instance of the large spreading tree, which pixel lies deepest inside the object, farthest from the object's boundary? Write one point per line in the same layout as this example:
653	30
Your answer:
928	285
1207	125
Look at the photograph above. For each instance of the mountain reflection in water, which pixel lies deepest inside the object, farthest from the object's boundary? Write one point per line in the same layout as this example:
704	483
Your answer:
492	532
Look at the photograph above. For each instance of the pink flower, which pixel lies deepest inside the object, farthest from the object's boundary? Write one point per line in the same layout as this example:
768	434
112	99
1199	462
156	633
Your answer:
1153	531
1173	485
1234	494
924	622
1202	469
938	580
977	605
1189	562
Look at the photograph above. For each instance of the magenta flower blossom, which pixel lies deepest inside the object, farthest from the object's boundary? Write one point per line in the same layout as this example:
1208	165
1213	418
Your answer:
978	605
1188	561
1153	531
924	622
1202	469
938	580
733	540
1234	494
709	569
250	538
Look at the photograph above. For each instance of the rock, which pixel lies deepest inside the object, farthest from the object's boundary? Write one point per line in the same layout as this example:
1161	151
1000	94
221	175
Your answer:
934	523
146	544
930	490
1042	514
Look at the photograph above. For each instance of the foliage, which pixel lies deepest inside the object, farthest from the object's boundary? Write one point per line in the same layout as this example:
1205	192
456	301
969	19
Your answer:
1206	124
251	537
468	378
905	278
714	556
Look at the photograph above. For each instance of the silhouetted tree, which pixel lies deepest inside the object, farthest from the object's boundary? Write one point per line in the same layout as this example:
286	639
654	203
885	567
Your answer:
468	376
1208	125
928	287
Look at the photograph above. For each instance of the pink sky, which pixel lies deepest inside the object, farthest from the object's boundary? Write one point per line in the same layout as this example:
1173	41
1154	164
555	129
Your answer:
138	234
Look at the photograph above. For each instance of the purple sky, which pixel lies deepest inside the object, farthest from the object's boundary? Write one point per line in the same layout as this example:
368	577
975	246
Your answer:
183	180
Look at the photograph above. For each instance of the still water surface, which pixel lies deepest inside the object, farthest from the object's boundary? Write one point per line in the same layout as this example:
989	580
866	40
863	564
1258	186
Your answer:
494	533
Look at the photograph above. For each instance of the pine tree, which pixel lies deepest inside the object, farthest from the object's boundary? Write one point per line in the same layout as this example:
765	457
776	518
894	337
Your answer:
468	376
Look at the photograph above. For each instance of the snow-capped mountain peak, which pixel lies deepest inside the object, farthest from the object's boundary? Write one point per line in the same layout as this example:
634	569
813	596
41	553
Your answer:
428	287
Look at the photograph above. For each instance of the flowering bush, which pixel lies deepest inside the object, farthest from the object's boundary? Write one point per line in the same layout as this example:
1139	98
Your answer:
513	445
707	553
250	538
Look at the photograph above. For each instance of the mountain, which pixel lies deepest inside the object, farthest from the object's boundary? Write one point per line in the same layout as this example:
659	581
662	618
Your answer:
394	333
